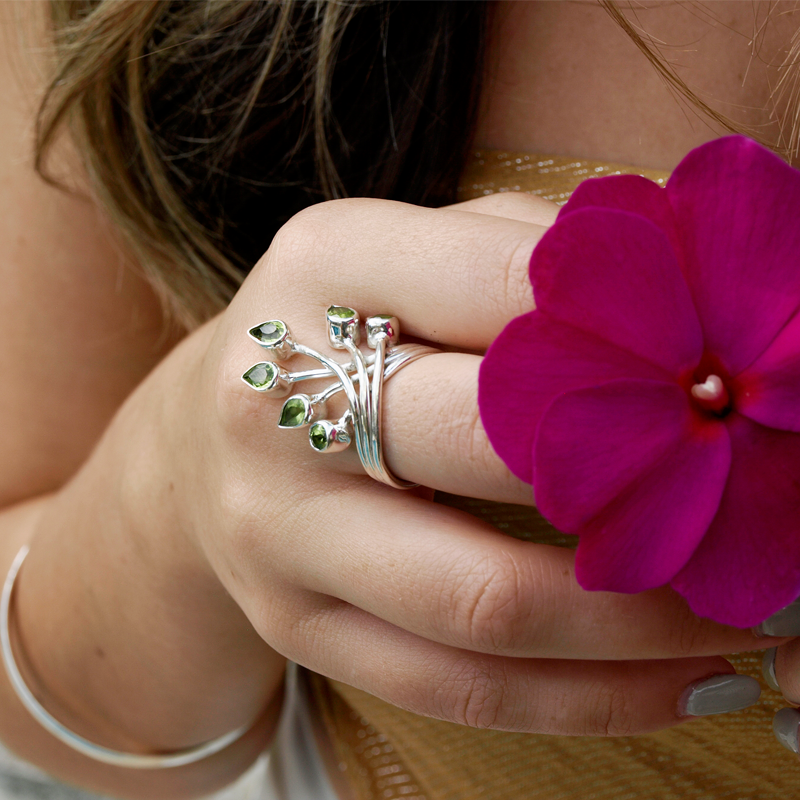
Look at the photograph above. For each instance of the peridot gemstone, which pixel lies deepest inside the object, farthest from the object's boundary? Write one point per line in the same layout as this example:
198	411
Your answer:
293	413
341	314
269	333
318	436
261	376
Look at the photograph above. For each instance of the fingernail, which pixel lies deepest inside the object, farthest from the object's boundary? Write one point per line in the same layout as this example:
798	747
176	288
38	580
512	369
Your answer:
786	724
719	695
768	669
785	622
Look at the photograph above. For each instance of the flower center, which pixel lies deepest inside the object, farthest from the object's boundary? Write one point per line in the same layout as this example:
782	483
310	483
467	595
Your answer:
711	395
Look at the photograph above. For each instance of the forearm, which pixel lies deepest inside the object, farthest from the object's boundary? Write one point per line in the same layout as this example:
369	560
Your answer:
124	631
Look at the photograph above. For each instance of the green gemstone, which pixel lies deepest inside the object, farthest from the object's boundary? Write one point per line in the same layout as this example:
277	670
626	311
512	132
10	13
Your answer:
318	436
261	376
269	333
341	314
293	413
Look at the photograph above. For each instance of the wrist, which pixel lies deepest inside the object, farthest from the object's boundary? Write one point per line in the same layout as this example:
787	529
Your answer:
122	619
162	445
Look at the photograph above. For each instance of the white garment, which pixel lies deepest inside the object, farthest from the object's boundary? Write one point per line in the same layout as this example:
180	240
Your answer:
292	769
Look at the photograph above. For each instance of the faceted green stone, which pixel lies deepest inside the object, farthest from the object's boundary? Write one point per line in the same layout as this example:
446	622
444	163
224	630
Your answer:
318	436
340	314
261	376
269	333
293	413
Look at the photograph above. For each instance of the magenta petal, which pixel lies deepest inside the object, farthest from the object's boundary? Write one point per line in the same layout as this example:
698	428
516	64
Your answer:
638	475
631	193
534	360
736	208
748	565
768	391
615	275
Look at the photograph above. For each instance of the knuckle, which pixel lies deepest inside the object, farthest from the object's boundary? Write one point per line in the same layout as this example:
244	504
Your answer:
287	268
300	236
260	528
517	285
308	235
487	602
691	636
298	632
275	621
472	694
243	536
312	630
238	409
611	710
507	291
288	620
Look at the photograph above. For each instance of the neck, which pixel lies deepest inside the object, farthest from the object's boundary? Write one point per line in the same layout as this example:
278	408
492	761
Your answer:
565	78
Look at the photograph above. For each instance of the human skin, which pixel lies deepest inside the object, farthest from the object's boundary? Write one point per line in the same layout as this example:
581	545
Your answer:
163	590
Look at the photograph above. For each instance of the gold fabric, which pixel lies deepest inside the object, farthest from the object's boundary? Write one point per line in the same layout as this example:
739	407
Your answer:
551	177
390	754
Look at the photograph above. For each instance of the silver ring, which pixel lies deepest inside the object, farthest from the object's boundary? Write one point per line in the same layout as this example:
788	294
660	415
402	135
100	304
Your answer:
361	379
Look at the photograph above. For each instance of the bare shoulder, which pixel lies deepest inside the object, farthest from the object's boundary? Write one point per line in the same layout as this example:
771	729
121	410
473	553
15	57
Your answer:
78	327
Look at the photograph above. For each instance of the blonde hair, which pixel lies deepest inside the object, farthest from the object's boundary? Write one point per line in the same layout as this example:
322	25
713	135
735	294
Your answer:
286	103
259	82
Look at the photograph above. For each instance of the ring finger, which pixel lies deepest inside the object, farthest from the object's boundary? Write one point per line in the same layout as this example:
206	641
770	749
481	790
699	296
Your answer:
446	576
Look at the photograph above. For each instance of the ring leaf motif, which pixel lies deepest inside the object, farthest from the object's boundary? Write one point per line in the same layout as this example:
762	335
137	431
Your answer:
361	422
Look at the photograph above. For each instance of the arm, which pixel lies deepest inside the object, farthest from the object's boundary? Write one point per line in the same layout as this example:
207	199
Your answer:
130	639
81	330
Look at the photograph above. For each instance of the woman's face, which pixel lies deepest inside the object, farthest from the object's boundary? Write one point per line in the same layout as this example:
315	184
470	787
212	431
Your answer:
563	77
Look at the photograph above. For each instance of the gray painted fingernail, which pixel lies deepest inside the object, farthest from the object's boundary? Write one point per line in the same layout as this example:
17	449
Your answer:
785	622
719	695
786	724
768	669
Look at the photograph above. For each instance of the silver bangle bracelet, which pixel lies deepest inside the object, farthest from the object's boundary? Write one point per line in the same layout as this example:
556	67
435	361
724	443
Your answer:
94	751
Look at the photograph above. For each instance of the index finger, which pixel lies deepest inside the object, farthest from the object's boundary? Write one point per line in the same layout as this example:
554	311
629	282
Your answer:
450	276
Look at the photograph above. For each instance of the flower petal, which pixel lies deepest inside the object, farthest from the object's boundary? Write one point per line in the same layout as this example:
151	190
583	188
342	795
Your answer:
768	391
631	193
636	473
615	275
534	360
736	208
748	564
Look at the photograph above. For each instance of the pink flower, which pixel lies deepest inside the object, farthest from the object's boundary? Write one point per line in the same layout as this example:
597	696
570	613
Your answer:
653	397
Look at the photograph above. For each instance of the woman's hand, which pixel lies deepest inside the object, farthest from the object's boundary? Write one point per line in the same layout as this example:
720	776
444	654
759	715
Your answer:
781	668
417	603
200	545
